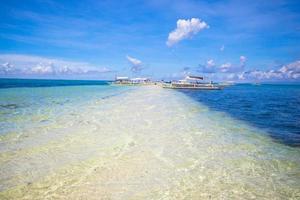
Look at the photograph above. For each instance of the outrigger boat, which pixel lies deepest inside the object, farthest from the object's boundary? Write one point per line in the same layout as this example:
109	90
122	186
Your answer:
192	82
123	80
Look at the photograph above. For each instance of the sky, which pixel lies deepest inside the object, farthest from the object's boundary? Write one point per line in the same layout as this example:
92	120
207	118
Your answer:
227	40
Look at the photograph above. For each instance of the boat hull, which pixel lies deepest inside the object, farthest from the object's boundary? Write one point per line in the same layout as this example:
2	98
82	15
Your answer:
193	87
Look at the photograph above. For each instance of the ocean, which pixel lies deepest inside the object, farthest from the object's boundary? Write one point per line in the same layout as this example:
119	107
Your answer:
275	108
64	139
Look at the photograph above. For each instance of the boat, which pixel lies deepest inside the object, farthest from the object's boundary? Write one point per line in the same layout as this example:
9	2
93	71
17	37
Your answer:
123	80
143	81
192	82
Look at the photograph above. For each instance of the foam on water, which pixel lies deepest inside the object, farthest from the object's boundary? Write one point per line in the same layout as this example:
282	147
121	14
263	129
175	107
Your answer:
147	143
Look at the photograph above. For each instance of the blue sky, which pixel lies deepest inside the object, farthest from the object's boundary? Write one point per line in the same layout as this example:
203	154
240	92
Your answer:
222	40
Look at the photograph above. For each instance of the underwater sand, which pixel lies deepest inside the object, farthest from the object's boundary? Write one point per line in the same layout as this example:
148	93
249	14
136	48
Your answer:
145	143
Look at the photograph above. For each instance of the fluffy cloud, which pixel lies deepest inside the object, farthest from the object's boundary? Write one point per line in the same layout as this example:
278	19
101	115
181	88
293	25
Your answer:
286	72
291	70
226	67
6	68
209	67
15	64
210	63
185	29
260	75
228	71
230	68
43	69
136	64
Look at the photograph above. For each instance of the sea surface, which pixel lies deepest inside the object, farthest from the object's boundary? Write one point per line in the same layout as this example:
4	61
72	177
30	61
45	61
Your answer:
88	140
275	108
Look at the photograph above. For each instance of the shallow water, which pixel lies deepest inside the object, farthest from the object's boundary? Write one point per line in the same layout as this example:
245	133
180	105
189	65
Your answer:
136	143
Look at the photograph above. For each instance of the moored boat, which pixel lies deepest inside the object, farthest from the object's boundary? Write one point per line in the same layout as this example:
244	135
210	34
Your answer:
133	81
192	82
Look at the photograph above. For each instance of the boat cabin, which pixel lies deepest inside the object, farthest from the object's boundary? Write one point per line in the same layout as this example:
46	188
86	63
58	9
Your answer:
140	80
122	80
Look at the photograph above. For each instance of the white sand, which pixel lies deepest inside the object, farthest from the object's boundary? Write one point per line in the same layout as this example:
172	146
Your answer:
149	143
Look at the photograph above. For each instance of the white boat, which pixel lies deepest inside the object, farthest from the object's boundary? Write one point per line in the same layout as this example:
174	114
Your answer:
123	80
140	80
192	82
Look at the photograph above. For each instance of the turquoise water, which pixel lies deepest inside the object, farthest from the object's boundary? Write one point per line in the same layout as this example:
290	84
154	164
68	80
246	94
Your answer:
98	140
27	103
13	83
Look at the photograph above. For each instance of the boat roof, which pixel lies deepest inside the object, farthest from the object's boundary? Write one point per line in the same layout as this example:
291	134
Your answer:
122	78
139	79
194	77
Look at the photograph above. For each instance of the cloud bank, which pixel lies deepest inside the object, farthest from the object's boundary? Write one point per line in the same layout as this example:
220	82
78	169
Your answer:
237	72
16	64
185	29
290	71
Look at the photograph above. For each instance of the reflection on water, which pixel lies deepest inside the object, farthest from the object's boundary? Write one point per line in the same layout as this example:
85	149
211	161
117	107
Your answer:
138	143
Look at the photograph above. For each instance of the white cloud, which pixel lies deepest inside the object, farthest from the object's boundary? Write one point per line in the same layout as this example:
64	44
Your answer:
17	64
241	76
210	63
230	68
42	69
226	67
185	29
290	71
262	75
134	61
136	64
208	67
211	67
6	68
228	72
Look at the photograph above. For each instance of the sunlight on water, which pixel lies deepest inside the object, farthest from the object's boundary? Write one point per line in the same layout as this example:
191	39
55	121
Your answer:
146	143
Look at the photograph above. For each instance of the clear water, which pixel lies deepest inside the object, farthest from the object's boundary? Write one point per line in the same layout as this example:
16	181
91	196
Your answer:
25	102
274	108
13	83
101	141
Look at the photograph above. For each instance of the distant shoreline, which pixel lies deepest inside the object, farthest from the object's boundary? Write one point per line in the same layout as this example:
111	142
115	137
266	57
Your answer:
111	80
